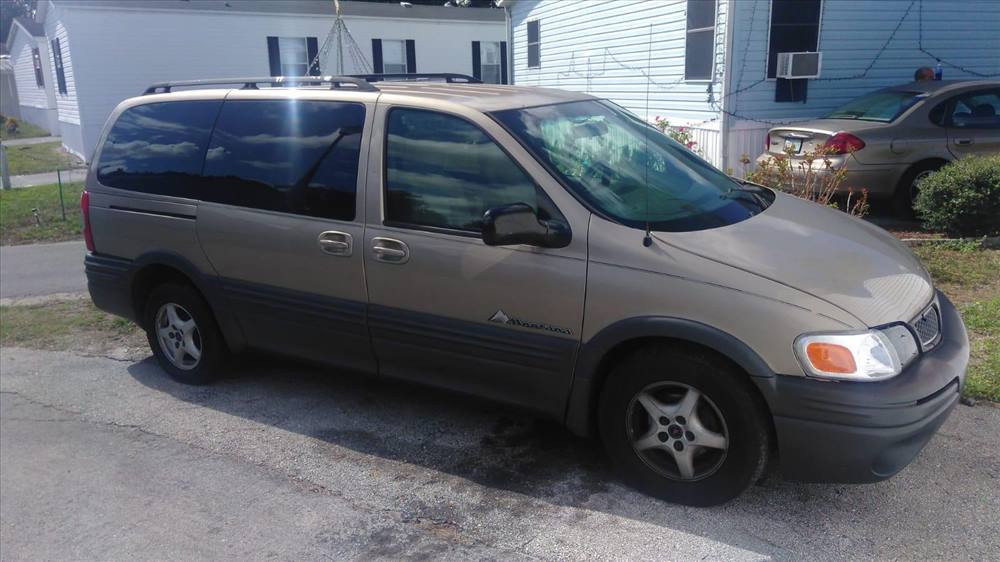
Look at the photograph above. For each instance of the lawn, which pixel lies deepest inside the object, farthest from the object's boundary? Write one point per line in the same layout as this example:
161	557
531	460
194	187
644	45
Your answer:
971	279
37	158
58	326
18	224
25	130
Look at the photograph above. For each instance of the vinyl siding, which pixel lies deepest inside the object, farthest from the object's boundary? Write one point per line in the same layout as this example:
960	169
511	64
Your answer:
852	32
66	104
608	49
119	52
28	93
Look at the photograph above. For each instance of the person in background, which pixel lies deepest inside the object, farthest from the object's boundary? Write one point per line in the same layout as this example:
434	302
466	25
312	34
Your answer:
923	74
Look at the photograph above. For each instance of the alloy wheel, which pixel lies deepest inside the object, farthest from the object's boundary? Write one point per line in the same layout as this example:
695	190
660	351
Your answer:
677	431
178	335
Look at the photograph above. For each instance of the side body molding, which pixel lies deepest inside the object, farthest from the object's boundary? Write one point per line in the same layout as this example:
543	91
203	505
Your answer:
588	376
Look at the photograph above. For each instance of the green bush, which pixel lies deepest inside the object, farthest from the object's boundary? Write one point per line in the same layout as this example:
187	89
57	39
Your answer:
962	198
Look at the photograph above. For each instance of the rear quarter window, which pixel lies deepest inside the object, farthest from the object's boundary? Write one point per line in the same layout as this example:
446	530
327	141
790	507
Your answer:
158	147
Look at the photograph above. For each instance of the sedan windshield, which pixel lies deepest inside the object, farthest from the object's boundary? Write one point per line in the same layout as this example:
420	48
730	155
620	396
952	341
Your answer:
880	106
627	170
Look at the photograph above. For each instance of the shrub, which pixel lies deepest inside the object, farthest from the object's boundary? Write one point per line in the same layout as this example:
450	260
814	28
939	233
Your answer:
801	178
962	198
680	134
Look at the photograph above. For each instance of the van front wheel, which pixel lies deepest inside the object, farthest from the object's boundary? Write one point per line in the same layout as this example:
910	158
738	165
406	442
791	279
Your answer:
684	425
183	335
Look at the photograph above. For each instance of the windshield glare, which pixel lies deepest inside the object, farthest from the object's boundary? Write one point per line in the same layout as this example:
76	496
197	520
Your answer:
880	106
630	171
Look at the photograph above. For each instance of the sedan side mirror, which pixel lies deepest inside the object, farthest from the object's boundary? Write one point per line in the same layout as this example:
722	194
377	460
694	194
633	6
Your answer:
518	224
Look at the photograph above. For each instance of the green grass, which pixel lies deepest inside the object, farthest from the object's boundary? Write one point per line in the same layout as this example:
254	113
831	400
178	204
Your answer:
971	279
37	158
25	130
982	319
59	326
17	221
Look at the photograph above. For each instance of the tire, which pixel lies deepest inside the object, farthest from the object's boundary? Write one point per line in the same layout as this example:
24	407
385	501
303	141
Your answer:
906	191
726	404
200	352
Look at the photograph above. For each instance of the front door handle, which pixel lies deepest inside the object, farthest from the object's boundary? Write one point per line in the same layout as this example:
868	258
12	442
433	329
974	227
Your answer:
390	250
963	142
336	243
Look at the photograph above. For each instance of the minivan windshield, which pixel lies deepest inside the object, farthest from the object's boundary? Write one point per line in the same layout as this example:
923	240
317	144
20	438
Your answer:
879	106
629	171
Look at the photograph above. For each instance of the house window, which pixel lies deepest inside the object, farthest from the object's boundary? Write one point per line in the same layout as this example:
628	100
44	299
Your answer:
794	29
36	60
58	62
699	58
534	44
291	56
393	56
489	57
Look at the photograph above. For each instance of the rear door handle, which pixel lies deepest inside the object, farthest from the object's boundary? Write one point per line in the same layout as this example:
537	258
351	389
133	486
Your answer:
963	142
390	250
336	243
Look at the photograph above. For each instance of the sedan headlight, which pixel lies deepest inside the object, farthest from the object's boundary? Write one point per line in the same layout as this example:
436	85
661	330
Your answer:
867	356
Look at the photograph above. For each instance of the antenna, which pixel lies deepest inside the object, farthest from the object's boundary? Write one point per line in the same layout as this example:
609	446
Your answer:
647	240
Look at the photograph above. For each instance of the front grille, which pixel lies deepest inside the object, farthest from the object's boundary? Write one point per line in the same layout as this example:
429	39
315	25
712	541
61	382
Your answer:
928	327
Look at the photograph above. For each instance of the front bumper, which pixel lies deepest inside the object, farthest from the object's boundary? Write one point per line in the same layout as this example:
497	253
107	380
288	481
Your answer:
879	180
867	431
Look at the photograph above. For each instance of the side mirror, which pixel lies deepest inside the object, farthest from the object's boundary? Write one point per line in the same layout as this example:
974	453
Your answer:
518	224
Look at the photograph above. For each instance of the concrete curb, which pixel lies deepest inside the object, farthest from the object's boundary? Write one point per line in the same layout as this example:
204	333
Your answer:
987	242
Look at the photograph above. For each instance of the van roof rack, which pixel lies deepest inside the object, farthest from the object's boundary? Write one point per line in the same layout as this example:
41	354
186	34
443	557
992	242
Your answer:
277	81
449	77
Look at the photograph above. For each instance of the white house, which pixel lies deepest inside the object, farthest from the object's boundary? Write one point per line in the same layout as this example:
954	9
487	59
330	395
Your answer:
712	64
95	53
29	55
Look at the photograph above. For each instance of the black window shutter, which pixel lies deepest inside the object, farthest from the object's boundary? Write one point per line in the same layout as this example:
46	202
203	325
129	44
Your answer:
273	56
60	71
312	49
477	68
411	56
377	56
503	62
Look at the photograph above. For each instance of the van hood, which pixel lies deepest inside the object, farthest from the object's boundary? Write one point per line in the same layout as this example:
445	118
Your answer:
828	254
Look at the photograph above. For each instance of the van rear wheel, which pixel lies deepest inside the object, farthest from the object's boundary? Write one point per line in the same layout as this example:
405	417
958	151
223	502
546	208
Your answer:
183	334
684	425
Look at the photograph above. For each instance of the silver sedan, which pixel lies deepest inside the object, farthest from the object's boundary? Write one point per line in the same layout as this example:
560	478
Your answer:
892	138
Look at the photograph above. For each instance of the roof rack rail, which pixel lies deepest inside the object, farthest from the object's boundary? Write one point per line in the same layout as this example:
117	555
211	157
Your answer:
251	83
449	77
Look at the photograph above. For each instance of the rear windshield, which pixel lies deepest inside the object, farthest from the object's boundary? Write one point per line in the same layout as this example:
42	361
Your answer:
629	171
880	106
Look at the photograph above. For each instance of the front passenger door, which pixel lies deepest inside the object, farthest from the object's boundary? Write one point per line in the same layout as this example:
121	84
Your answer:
445	308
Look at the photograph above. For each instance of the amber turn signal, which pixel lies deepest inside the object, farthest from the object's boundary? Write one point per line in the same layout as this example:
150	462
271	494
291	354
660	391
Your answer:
831	358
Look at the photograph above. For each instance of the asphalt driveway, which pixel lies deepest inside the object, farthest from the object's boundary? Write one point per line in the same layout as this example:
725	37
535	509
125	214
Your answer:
106	459
42	269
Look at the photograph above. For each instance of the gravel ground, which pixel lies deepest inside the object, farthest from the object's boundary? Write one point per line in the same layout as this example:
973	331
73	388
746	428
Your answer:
109	459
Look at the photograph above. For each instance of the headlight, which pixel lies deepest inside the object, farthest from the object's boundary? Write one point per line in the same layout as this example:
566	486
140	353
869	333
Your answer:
868	356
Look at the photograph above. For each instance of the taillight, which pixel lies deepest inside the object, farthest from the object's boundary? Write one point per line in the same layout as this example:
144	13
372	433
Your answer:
767	141
88	236
843	143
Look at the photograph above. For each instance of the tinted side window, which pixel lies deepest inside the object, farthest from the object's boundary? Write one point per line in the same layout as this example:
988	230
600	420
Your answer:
158	147
286	155
444	172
